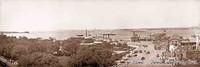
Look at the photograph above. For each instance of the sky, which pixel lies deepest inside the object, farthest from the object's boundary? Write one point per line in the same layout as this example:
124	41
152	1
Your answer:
46	15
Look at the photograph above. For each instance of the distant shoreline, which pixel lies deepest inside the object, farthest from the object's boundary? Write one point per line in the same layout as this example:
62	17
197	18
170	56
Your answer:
153	28
13	32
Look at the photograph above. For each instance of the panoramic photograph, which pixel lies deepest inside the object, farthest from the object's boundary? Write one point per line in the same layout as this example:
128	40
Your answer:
99	33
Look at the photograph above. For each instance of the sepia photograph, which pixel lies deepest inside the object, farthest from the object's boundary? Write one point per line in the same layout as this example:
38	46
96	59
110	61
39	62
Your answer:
99	33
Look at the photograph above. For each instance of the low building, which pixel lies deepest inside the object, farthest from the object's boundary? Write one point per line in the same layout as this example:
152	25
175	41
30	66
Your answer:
180	48
188	45
135	38
146	38
193	55
141	36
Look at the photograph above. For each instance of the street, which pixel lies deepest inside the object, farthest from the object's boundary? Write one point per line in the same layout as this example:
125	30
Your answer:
150	60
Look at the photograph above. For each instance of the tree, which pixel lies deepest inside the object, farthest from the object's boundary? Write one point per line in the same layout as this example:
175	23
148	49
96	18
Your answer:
5	46
92	57
64	61
39	59
71	46
5	50
18	51
40	46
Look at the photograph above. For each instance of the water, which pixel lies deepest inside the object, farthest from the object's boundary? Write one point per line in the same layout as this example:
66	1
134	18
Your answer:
59	35
120	34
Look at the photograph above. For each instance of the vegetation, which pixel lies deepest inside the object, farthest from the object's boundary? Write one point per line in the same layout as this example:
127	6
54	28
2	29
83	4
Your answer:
160	40
92	57
143	58
38	59
148	52
49	53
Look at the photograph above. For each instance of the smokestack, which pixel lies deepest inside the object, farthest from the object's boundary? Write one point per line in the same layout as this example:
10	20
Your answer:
86	33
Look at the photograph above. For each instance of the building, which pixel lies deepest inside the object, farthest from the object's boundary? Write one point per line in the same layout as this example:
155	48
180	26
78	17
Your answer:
188	45
174	47
108	37
138	36
193	55
180	48
135	38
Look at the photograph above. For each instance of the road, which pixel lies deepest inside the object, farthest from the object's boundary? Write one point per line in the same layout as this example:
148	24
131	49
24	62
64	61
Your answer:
149	58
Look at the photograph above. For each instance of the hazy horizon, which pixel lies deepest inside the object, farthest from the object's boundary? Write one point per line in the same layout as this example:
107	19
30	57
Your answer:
50	15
